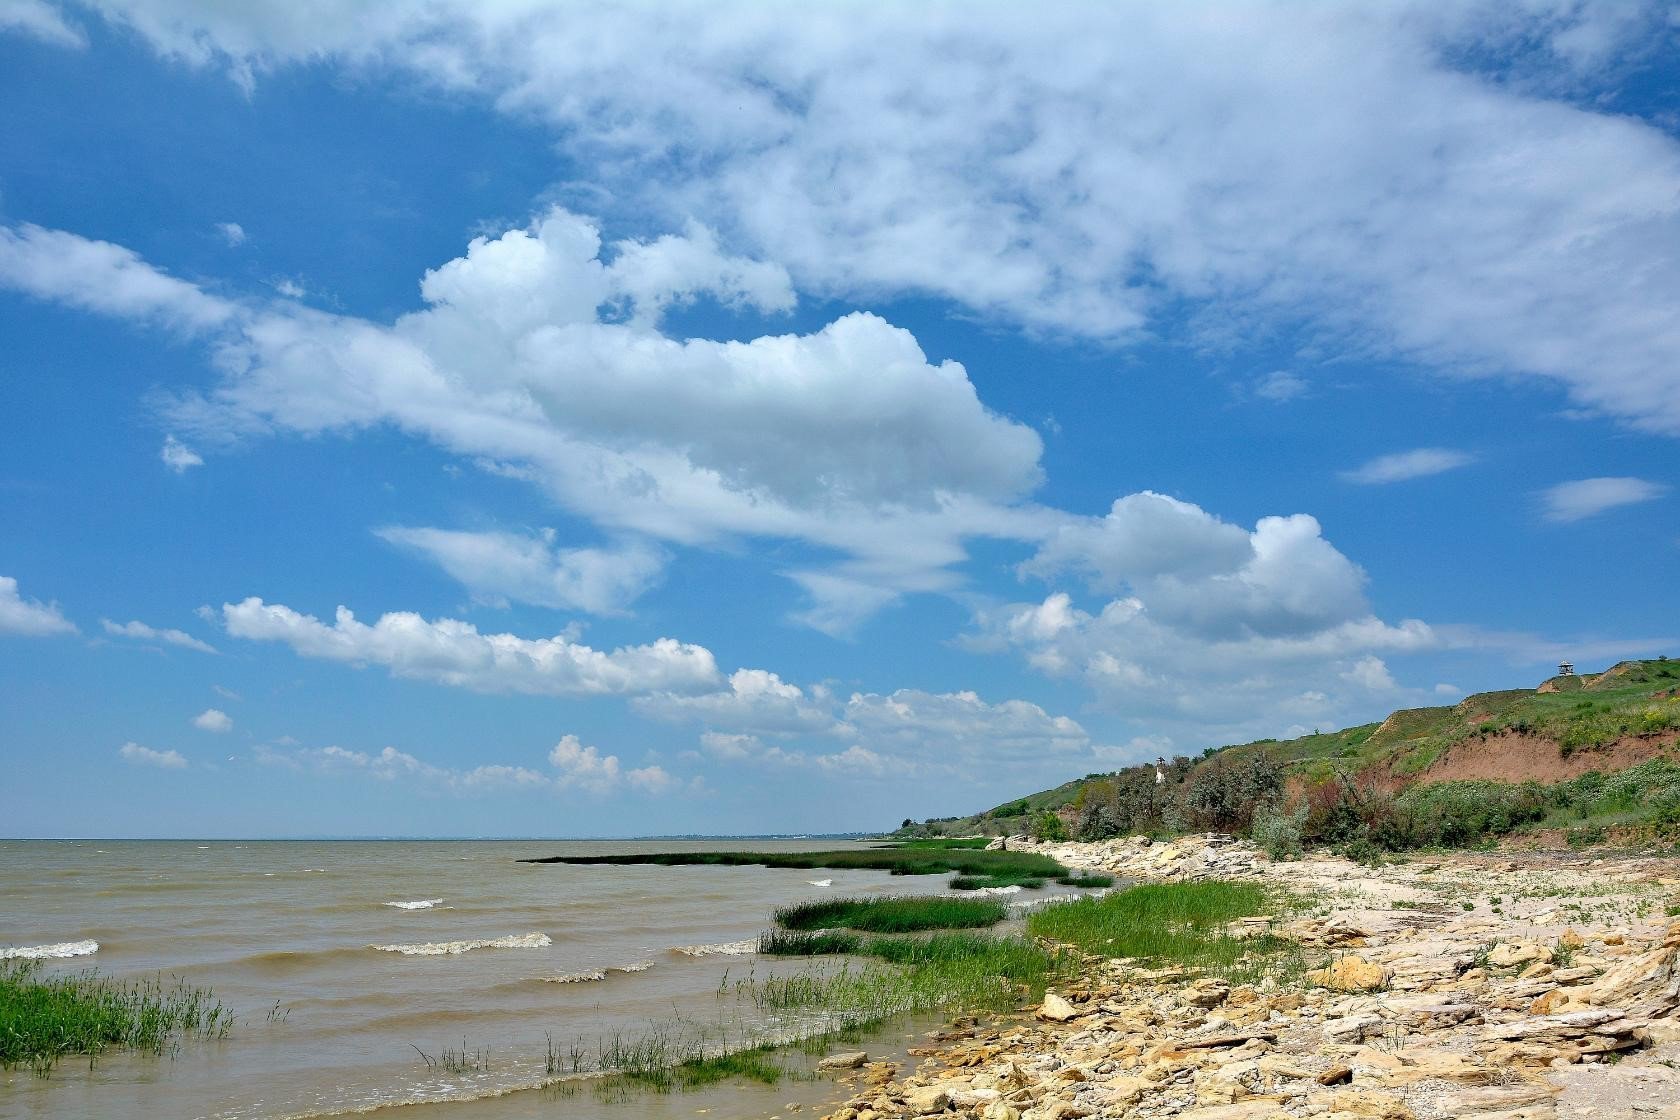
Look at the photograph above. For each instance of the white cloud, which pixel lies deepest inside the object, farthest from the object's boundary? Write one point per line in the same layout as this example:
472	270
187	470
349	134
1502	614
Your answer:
1212	629
754	701
99	276
213	719
583	766
232	232
1280	386
1405	465
390	765
41	20
141	632
1371	673
937	723
178	457
1573	501
573	766
847	438
502	567
453	652
1451	183
29	617
146	756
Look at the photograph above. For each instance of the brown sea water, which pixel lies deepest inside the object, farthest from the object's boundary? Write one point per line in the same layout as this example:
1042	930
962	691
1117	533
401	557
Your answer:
473	958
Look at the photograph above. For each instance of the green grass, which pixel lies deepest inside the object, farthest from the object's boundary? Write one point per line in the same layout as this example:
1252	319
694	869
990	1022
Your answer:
899	861
946	843
1003	879
783	943
891	915
44	1018
1171	924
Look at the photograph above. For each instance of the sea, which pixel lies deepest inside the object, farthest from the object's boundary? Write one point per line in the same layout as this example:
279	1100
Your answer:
352	966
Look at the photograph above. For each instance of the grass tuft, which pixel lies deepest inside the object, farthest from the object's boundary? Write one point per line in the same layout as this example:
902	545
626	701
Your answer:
44	1018
891	915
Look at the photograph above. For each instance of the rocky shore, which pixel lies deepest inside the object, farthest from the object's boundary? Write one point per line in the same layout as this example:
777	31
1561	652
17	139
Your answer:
1479	987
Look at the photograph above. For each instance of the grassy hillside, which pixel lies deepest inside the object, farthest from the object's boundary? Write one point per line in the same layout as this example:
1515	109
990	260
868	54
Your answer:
1565	728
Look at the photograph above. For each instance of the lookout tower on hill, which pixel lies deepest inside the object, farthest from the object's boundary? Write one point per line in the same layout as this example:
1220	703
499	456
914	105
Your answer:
1566	669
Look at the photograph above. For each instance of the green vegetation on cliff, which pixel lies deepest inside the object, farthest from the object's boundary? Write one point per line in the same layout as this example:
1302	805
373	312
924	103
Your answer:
1587	753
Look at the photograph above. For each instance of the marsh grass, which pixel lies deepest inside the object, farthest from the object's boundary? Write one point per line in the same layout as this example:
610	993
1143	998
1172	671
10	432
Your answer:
775	1015
1175	924
1091	880
45	1018
946	843
1002	879
898	861
892	915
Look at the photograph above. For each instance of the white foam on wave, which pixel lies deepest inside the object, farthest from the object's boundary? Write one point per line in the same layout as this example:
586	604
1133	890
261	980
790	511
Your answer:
450	948
594	974
577	977
61	950
721	949
417	904
820	882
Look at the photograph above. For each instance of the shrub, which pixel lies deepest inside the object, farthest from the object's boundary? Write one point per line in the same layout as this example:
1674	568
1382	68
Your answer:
1279	832
1048	827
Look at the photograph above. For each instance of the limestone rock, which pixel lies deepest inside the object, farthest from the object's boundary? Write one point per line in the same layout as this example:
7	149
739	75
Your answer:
850	1059
1056	1009
1350	974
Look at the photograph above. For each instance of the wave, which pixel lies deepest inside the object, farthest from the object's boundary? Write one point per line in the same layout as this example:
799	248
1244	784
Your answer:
450	948
721	949
58	951
417	904
820	882
593	975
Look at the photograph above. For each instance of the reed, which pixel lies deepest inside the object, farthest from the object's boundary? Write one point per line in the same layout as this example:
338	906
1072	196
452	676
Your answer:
44	1018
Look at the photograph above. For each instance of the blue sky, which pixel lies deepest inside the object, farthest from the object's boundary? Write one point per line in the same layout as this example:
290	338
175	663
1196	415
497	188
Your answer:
499	419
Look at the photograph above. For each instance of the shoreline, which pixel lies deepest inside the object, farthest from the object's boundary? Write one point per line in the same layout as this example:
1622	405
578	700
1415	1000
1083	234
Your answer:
1496	986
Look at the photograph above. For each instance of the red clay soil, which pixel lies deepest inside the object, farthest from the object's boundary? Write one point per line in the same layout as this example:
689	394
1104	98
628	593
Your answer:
1522	758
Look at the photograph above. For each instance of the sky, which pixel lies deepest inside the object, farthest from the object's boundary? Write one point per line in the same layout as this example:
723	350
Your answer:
516	418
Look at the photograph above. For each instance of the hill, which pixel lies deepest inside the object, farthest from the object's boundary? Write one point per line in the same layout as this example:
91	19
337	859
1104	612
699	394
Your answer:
1566	728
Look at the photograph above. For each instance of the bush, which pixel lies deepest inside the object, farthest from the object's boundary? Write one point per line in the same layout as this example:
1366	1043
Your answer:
1222	796
1279	832
1048	827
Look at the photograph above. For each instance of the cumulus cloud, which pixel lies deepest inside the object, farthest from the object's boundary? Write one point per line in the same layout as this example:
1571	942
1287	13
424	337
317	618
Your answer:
573	765
1211	628
755	700
232	232
453	652
213	719
141	632
502	567
146	756
1587	497
1448	183
1405	465
29	617
539	355
178	457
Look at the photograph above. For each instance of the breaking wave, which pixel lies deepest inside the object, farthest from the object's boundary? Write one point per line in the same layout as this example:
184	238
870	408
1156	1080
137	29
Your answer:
450	948
417	904
61	950
721	949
